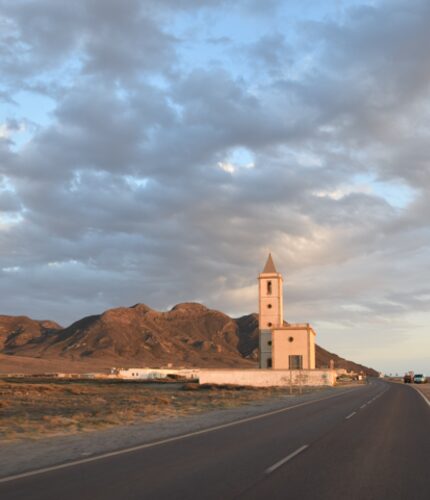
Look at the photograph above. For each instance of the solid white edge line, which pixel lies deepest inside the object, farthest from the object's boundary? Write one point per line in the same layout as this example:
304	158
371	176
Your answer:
163	441
350	415
417	390
286	459
422	395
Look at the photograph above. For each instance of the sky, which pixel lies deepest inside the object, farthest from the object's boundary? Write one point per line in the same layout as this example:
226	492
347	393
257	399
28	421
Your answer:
155	151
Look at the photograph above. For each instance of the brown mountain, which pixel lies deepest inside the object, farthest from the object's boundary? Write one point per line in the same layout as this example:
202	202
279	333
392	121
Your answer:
188	335
17	331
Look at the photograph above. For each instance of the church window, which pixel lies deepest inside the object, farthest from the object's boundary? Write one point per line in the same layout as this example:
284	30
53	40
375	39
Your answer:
269	342
290	339
269	306
269	288
269	362
269	324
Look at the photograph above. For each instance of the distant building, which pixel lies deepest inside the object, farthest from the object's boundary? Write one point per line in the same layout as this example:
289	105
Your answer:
282	345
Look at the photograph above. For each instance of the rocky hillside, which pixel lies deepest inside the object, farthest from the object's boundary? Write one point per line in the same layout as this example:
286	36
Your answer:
188	335
323	358
18	331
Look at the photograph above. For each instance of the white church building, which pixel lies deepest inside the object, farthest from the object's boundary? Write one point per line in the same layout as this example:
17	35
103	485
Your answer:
282	346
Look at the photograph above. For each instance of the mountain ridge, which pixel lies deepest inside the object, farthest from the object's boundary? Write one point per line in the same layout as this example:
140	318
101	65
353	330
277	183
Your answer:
189	334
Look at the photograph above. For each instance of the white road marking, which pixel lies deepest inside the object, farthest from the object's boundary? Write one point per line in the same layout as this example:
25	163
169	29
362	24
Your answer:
368	402
350	415
377	396
162	441
286	459
422	395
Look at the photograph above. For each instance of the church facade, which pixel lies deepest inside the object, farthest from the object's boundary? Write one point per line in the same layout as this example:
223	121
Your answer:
282	346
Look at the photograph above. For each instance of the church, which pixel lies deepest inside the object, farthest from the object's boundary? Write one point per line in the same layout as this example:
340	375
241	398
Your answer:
282	346
287	351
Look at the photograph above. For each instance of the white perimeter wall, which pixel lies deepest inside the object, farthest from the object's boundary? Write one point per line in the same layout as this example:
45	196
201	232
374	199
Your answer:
268	378
256	378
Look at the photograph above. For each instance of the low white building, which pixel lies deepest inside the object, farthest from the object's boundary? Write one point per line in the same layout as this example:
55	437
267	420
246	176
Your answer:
155	373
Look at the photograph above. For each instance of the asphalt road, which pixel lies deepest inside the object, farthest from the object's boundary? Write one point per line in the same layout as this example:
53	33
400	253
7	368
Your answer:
372	442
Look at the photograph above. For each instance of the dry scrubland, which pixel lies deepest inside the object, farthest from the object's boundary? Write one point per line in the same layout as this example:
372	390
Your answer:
28	366
32	408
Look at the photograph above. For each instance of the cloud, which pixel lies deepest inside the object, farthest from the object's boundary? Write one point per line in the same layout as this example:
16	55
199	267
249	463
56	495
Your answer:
138	185
53	42
272	55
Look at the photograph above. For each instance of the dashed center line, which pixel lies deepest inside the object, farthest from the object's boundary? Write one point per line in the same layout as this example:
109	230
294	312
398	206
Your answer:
289	457
286	459
367	403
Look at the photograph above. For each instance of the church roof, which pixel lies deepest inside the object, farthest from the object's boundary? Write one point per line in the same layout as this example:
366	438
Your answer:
270	266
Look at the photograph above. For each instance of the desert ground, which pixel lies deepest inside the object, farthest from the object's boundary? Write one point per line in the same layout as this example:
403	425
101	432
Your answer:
29	365
33	408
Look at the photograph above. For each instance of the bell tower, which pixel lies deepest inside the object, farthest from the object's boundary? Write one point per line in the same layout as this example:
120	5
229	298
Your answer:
282	346
270	297
270	308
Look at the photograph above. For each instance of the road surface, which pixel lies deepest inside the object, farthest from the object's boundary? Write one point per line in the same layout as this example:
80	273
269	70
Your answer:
372	442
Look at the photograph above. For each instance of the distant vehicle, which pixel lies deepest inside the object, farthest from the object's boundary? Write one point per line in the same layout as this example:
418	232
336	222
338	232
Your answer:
419	379
408	378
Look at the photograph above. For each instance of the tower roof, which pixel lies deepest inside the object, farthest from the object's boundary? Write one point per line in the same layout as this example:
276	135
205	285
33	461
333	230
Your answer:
270	266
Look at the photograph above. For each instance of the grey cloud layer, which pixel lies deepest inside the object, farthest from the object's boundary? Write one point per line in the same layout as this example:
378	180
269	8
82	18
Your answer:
120	198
